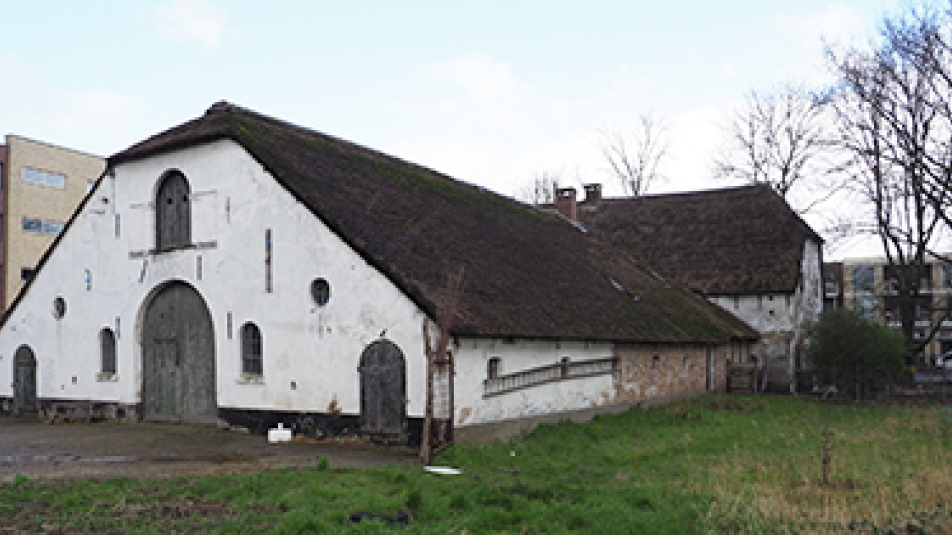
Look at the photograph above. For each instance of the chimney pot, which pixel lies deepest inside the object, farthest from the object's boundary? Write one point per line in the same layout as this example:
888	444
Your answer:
566	204
593	193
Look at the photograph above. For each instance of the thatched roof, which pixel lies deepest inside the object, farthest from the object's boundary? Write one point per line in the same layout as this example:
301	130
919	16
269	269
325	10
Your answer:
735	241
527	273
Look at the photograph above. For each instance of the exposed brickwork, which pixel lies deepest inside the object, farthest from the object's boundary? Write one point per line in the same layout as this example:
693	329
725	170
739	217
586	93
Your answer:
646	372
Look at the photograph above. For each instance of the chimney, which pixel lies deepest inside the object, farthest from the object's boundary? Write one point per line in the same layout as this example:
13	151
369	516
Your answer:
593	193
566	204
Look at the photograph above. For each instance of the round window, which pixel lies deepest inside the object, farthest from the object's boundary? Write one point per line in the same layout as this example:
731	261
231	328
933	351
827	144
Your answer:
320	291
59	307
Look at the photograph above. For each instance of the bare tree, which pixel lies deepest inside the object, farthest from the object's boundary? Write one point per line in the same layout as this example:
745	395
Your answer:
893	118
915	63
437	357
634	159
541	189
784	140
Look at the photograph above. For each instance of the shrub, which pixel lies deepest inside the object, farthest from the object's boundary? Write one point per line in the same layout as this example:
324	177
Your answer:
854	353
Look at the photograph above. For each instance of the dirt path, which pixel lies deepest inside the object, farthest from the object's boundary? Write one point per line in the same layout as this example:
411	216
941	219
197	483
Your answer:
107	450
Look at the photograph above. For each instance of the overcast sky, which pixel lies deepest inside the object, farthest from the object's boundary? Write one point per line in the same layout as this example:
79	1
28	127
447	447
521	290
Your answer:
490	92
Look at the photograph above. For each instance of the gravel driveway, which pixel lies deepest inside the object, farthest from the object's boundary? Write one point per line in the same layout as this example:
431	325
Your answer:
105	450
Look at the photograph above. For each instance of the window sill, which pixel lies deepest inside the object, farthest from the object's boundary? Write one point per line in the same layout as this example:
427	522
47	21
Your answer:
247	379
107	377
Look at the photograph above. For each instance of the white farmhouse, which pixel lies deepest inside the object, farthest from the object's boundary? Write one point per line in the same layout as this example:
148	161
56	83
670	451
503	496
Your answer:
242	270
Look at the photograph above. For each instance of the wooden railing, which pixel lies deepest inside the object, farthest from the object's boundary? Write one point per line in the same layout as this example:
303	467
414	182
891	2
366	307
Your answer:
561	371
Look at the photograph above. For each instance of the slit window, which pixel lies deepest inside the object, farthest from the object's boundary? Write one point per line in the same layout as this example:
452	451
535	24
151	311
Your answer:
59	308
267	261
107	344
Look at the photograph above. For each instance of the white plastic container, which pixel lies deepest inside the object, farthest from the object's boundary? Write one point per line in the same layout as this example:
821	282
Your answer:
279	434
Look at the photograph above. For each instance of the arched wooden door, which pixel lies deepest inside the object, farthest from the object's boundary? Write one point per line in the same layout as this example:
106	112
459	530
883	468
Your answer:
178	353
383	391
172	213
24	381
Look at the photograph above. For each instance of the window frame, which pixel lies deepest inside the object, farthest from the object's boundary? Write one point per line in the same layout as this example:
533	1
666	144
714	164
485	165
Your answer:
108	359
252	350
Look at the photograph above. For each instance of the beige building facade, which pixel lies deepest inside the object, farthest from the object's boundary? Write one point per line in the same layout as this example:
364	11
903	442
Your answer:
869	289
41	186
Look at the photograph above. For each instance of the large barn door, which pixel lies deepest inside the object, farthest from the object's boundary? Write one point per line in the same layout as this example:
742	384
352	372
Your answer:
383	392
178	351
24	381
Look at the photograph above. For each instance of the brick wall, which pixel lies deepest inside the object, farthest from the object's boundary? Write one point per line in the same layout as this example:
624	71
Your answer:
647	372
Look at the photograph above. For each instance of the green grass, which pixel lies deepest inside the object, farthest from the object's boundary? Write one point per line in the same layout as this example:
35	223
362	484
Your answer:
718	464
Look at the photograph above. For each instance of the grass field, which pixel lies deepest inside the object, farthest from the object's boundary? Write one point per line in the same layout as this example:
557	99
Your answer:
716	464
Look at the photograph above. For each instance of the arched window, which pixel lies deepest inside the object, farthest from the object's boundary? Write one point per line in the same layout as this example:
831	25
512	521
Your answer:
251	350
172	213
107	349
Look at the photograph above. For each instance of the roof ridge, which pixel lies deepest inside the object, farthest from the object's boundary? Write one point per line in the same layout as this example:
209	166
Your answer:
412	223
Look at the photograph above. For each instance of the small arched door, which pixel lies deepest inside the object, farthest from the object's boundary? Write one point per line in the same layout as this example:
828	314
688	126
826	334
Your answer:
383	391
24	381
172	213
178	353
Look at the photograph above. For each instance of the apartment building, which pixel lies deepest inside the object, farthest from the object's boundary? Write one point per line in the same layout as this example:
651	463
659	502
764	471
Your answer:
869	287
40	186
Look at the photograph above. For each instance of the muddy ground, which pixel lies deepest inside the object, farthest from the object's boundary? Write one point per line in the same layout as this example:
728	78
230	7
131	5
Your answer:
105	450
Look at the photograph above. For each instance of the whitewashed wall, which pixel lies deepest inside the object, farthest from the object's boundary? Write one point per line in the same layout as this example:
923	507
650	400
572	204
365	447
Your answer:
765	313
812	277
782	319
233	202
472	357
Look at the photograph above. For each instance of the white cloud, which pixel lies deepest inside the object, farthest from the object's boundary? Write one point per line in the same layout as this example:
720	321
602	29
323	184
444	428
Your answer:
198	21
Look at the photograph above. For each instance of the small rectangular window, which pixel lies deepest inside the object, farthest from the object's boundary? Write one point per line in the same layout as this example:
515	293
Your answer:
493	368
865	306
52	227
32	176
863	278
55	180
40	226
32	225
26	274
